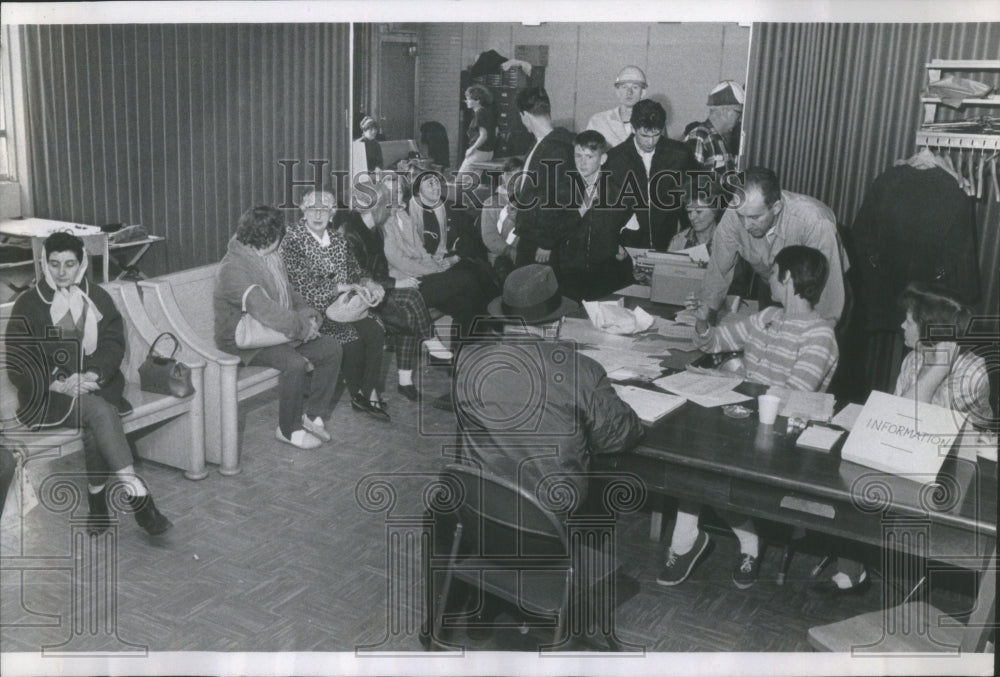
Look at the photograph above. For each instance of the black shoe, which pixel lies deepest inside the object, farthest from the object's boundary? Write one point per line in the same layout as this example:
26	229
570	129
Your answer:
409	392
678	567
829	588
374	409
124	407
98	520
745	573
147	516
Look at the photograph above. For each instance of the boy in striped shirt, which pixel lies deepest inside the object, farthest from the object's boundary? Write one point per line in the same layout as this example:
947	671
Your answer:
789	346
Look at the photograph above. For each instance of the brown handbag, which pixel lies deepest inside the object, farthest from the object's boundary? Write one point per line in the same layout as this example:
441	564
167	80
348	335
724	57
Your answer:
165	375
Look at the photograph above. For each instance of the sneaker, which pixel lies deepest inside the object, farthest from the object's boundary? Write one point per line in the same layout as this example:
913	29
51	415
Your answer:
745	573
300	438
316	428
678	567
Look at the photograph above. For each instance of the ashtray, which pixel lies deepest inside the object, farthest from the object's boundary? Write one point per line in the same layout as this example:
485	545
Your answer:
736	411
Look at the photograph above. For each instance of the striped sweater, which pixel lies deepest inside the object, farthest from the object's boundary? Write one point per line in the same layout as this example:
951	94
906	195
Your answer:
797	352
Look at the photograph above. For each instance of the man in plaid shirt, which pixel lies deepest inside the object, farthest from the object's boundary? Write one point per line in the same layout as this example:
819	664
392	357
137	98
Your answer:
708	139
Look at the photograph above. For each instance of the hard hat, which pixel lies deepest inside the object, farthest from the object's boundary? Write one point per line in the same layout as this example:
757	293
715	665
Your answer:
631	74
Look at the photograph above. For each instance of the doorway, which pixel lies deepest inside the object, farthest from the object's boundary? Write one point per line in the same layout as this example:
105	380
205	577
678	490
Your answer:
397	89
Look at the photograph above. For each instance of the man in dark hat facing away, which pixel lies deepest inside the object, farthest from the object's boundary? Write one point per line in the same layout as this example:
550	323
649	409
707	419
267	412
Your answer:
528	404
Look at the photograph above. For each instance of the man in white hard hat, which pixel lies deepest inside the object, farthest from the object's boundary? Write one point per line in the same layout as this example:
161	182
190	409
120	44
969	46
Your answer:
614	125
708	139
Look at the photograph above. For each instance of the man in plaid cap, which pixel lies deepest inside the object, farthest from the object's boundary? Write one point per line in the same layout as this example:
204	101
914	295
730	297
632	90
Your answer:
708	139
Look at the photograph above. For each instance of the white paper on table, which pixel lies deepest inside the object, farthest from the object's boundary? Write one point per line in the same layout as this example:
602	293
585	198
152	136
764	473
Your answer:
675	330
644	373
692	386
846	417
648	405
698	253
720	400
819	438
582	331
615	318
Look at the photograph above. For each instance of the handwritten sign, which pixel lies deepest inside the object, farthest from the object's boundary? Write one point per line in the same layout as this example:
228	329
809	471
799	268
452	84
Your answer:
902	436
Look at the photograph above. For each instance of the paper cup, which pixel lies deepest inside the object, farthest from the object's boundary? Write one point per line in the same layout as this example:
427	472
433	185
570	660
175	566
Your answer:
767	407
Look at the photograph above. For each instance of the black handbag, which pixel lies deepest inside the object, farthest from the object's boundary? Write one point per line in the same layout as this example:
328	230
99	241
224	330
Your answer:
165	375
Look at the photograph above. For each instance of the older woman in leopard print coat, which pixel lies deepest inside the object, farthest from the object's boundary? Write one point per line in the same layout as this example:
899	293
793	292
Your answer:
321	267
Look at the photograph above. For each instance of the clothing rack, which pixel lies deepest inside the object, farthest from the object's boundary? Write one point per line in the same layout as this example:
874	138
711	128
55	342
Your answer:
970	152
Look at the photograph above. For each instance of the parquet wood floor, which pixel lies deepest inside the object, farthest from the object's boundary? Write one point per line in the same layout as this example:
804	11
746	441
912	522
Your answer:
282	557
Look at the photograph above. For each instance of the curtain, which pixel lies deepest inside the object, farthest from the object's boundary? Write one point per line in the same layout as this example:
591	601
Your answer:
832	106
181	128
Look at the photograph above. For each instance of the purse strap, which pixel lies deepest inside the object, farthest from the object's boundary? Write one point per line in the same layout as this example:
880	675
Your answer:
152	348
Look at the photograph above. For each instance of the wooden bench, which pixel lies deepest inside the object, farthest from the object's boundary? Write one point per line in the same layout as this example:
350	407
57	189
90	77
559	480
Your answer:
182	304
163	428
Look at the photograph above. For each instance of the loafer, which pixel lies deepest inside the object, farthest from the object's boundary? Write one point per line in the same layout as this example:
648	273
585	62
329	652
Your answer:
315	427
300	438
375	410
829	588
409	392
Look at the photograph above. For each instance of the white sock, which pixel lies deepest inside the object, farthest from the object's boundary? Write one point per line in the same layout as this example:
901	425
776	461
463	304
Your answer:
405	377
685	532
749	543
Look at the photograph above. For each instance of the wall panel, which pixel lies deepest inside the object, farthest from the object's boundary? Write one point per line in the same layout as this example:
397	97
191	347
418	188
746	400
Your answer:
180	127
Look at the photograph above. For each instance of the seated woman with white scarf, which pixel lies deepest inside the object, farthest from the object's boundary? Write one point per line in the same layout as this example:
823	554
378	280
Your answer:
82	384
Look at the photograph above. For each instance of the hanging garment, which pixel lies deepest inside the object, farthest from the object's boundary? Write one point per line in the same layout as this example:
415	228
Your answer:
914	225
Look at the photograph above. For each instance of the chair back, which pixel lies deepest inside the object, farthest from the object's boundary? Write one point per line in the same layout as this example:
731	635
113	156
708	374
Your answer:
501	519
93	245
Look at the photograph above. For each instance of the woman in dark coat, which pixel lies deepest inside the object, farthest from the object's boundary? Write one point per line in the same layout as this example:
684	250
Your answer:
77	379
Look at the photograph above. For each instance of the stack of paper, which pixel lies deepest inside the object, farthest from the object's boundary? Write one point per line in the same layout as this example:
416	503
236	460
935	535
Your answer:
649	405
705	391
804	404
819	438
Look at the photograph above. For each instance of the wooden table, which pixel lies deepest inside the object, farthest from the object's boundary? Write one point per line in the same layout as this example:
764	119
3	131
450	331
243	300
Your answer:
740	465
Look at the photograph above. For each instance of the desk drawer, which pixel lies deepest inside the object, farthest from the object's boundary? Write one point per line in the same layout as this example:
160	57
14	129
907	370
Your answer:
811	512
675	480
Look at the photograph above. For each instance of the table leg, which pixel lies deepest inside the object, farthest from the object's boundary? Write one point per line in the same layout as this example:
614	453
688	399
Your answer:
129	266
655	525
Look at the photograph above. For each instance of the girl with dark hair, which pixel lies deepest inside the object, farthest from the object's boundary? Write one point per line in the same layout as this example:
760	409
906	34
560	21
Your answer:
938	370
482	129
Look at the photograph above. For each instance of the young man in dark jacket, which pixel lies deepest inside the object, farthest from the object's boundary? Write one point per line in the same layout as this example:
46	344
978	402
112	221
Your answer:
648	171
544	190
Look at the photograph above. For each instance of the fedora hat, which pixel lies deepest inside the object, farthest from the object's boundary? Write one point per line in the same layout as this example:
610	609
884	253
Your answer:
531	295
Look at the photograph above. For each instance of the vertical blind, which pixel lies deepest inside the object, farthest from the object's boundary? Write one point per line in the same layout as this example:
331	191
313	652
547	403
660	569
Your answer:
832	106
181	127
